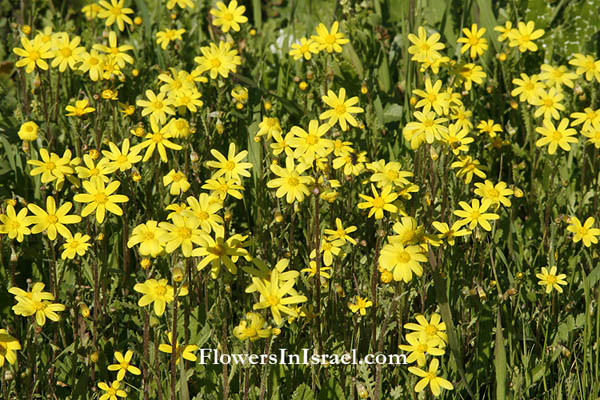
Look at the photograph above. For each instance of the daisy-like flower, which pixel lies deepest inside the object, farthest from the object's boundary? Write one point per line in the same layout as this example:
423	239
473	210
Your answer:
390	173
496	194
311	144
116	52
218	60
79	109
489	127
425	48
312	271
593	134
467	167
51	166
111	392
379	203
449	233
457	137
340	232
124	365
205	208
67	52
341	109
182	233
158	139
430	378
427	125
33	54
557	76
185	352
586	66
253	328
527	88
360	306
15	225
8	346
432	98
469	73
505	31
157	106
551	280
290	182
75	245
548	104
115	11
402	260
434	328
282	144
556	136
274	295
584	232
155	291
268	126
231	167
100	198
588	117
330	41
524	36
93	64
121	159
42	309
229	17
419	345
306	48
218	252
474	41
178	181
52	219
163	38
222	188
147	235
475	214
328	249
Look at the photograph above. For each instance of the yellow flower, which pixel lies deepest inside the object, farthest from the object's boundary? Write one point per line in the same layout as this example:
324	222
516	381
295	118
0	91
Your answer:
28	131
419	345
430	378
584	232
551	280
290	182
232	167
77	244
310	144
588	117
224	187
8	346
229	17
527	88
379	203
428	126
100	198
328	248
433	328
163	38
475	214
557	76
177	180
112	391
548	104
33	54
124	365
67	52
469	73
556	136
186	352
586	66
505	31
158	292
306	48
157	106
496	194
449	233
121	159
183	232
180	3
329	41
432	98
92	63
467	168
252	328
219	60
80	108
115	12
218	252
341	110
425	48
312	270
489	127
42	309
13	224
593	134
340	232
390	173
474	40
457	137
205	208
361	305
524	35
147	235
402	260
51	166
158	139
91	11
118	53
274	295
268	126
52	219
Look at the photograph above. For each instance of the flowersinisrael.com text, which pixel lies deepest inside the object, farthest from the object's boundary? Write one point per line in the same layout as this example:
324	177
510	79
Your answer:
305	357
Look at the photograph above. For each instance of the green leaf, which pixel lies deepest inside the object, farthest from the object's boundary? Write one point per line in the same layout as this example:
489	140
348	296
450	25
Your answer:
383	75
303	392
350	55
392	113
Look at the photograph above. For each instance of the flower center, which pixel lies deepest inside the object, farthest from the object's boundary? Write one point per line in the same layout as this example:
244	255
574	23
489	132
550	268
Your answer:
493	193
293	181
378	202
177	176
124	365
157	104
557	136
101	198
50	166
157	137
311	139
185	233
215	62
160	290
34	55
52	219
228	16
340	109
122	159
551	280
116	11
66	52
431	330
422	348
148	235
202	215
403	257
218	250
229	165
273	300
330	39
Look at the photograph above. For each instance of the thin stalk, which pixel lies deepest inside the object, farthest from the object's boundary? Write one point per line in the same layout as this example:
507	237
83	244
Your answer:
174	343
